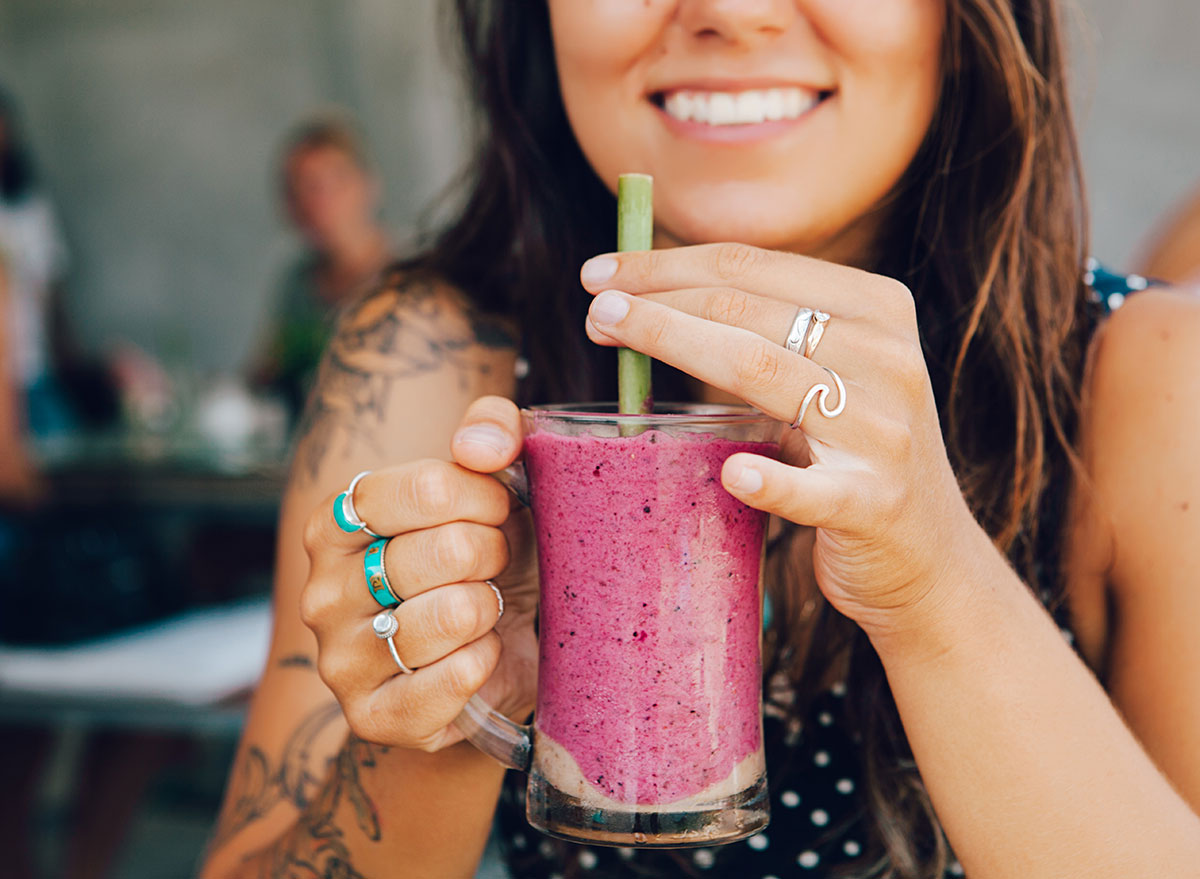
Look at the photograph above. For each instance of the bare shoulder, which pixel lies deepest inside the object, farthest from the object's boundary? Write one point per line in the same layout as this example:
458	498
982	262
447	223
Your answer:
1141	422
413	354
1141	414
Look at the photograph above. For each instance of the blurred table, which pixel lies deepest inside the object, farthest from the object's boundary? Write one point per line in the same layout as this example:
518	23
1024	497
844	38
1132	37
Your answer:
173	474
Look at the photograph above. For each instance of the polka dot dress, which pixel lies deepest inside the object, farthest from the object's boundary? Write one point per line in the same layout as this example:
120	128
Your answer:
817	814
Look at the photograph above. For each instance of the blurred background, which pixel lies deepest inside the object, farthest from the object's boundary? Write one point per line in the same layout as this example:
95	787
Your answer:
209	181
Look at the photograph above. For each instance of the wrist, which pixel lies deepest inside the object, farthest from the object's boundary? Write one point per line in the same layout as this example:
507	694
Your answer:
956	600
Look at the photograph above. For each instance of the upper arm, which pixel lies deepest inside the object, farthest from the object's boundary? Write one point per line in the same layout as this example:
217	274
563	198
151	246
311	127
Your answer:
400	372
1143	422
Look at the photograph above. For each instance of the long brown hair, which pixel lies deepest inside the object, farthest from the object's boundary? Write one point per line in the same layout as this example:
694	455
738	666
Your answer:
988	230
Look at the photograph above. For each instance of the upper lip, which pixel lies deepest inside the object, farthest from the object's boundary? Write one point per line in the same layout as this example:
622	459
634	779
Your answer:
734	85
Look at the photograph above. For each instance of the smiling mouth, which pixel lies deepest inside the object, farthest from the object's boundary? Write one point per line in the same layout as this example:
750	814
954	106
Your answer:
748	107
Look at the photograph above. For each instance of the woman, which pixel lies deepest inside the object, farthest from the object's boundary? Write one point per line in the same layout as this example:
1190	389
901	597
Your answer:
332	198
916	146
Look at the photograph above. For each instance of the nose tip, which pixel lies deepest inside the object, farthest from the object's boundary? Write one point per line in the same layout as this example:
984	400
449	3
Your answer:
736	19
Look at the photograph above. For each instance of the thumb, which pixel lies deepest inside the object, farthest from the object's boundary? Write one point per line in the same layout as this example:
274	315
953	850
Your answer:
489	437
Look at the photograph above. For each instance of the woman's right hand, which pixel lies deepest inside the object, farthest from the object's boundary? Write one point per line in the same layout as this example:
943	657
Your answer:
452	527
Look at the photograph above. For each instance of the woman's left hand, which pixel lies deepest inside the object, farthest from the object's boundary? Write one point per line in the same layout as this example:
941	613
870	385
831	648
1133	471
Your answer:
895	536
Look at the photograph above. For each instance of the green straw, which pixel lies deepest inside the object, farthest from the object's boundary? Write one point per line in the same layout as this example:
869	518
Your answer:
635	231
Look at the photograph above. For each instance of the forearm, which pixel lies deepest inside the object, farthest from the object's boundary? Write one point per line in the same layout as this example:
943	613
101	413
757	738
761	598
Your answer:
1030	768
389	812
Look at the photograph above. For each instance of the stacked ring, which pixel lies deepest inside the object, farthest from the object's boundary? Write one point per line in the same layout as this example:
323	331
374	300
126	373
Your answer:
799	331
375	571
815	332
345	513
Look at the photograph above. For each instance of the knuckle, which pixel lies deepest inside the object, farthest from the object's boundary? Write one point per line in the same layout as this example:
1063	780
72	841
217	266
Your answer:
892	498
647	265
495	555
730	307
334	668
895	435
314	529
657	329
362	719
760	368
494	503
431	490
907	363
731	261
316	605
456	614
897	294
469	672
455	551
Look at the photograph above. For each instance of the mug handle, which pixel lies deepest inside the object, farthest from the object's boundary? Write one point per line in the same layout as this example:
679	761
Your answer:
505	741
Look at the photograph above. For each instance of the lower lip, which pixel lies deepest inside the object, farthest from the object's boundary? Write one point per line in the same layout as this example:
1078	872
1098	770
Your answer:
734	133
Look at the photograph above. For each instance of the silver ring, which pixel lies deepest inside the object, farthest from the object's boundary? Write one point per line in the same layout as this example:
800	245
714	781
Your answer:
499	598
820	392
385	627
349	510
799	330
815	332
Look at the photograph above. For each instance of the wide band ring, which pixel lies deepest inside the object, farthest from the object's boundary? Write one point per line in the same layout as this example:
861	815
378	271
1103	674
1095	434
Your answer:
345	513
820	392
385	627
375	572
815	331
798	334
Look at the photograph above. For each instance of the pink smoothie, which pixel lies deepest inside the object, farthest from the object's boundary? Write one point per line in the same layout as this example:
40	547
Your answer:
649	633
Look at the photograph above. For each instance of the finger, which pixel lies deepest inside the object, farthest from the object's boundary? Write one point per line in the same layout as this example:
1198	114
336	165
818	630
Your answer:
453	553
409	497
815	496
770	318
413	710
798	279
489	438
436	623
762	373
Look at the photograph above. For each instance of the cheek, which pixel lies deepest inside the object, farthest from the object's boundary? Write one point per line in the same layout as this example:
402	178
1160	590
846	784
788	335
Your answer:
601	50
889	54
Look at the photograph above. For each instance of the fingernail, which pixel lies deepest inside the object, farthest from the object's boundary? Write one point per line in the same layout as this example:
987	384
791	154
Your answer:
598	269
609	307
745	479
484	435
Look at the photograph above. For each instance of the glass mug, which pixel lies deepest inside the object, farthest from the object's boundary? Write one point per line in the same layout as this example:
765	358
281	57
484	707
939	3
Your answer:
648	726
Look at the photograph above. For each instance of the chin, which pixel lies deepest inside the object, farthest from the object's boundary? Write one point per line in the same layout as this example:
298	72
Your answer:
757	228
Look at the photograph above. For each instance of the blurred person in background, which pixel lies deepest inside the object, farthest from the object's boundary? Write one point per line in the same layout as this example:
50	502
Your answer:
33	249
332	197
18	479
1174	252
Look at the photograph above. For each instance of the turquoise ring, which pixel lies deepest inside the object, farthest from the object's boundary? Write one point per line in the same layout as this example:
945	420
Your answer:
344	512
376	573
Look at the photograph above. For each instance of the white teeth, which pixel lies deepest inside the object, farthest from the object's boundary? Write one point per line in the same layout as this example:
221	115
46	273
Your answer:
750	107
722	109
773	105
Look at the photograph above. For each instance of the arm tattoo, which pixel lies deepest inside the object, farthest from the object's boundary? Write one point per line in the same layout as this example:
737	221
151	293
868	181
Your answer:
315	848
296	660
256	788
404	331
